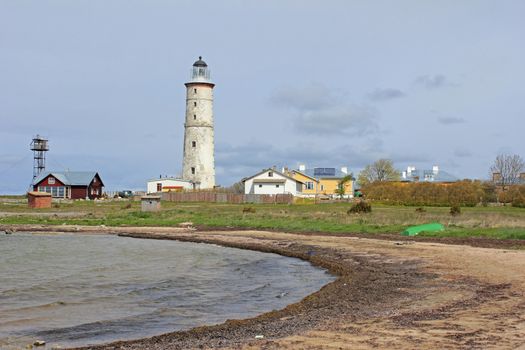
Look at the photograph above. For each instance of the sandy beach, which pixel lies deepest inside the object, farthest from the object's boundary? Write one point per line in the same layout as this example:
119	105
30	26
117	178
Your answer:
395	294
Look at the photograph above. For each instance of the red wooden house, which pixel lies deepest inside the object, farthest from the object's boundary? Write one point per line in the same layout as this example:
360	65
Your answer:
70	184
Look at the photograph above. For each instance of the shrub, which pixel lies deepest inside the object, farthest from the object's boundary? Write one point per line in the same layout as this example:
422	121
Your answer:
360	207
455	210
248	210
517	196
127	206
463	193
421	210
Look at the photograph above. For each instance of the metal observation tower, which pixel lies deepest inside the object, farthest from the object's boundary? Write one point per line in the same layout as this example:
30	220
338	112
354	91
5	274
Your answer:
39	146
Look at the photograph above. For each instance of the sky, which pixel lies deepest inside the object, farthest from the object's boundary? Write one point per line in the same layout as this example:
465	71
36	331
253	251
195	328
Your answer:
320	83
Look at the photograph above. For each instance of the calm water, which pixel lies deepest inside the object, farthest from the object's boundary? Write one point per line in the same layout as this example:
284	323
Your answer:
78	290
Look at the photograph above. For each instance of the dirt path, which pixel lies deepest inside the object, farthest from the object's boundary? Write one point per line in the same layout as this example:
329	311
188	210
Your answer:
389	294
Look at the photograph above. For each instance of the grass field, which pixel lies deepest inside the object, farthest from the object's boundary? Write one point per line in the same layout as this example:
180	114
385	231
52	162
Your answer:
494	222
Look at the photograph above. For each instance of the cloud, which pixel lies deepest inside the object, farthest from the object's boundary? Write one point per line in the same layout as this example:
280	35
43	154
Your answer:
450	120
236	162
433	81
410	158
314	96
320	111
385	94
462	153
349	120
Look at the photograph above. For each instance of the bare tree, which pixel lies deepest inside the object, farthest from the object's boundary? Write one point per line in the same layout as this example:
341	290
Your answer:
237	188
506	169
381	170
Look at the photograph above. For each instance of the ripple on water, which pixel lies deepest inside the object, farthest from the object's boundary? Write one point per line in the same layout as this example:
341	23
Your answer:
78	290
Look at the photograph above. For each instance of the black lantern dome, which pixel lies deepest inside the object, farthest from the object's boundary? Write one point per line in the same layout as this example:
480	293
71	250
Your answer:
200	63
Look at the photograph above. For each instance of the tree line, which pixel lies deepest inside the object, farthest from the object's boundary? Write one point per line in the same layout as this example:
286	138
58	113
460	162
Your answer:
380	182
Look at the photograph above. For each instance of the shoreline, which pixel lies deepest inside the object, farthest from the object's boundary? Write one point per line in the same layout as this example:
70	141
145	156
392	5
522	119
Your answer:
381	286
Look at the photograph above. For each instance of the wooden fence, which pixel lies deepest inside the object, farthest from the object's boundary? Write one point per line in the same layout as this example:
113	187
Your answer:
217	197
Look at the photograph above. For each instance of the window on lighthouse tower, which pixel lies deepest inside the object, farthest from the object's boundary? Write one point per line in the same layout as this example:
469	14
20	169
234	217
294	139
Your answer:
193	144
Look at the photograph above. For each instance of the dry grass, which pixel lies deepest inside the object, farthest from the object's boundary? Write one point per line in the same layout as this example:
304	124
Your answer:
326	217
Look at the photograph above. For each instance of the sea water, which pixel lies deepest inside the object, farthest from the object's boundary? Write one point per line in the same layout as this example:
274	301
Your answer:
73	290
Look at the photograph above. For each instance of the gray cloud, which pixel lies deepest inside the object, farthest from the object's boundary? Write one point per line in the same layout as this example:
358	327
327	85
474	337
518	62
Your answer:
450	120
410	158
319	111
349	120
310	97
433	81
385	94
236	162
462	152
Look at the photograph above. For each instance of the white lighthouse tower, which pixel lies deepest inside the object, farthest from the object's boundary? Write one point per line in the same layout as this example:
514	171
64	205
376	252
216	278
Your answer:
199	161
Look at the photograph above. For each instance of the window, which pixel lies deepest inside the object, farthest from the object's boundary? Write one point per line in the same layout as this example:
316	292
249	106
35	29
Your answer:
193	144
322	187
277	186
260	186
194	91
159	187
309	185
51	181
195	117
94	180
193	170
56	191
270	174
194	104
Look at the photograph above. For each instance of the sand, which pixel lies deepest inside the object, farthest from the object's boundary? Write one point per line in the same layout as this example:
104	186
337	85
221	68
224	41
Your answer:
389	294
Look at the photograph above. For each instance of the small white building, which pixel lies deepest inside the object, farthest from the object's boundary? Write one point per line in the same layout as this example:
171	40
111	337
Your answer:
271	181
168	184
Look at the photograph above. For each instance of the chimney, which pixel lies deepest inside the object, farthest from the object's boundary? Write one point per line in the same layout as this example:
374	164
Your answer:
435	169
344	170
302	167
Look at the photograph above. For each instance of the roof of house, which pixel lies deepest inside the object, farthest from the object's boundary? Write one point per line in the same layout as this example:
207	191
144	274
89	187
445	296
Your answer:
170	179
39	194
429	176
270	169
271	181
323	173
69	178
305	175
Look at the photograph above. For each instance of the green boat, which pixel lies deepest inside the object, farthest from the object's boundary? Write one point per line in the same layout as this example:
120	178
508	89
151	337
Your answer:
414	230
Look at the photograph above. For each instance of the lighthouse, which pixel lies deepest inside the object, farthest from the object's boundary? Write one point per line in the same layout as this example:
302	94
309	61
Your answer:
198	164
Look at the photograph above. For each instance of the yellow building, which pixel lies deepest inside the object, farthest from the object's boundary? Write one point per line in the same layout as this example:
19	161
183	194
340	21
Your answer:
322	181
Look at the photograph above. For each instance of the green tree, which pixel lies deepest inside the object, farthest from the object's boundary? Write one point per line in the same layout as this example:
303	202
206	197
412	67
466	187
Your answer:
341	190
380	170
